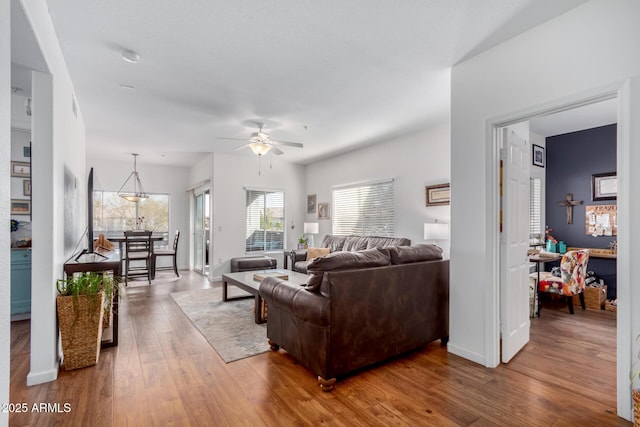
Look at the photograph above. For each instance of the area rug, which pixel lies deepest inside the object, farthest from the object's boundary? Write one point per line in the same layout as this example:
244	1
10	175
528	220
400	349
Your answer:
229	326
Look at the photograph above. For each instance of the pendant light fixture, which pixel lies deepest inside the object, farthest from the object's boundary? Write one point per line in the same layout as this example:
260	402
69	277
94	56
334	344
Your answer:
138	192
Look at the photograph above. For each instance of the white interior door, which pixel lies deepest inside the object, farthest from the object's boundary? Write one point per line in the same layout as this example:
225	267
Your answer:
198	233
514	280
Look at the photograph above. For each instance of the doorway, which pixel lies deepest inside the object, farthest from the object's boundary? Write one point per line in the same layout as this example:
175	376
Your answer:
201	240
508	221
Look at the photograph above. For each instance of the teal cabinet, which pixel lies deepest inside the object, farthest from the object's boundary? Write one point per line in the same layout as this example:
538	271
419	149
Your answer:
20	281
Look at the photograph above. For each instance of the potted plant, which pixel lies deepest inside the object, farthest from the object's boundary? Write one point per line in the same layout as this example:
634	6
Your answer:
82	301
302	242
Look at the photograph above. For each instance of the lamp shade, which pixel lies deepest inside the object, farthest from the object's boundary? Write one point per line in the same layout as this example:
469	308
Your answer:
260	148
436	231
311	227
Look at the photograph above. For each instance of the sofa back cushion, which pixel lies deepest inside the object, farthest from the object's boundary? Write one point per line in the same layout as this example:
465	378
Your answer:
358	243
417	253
334	243
343	260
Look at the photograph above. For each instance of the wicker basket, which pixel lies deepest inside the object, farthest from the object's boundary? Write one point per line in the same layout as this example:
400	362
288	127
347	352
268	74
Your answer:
593	297
610	306
80	320
636	407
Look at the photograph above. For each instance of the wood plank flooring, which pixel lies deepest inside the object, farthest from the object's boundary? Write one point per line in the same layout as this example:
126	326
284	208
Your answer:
165	373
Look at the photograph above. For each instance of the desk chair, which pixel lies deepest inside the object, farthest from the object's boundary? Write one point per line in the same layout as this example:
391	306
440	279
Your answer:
573	269
139	250
172	252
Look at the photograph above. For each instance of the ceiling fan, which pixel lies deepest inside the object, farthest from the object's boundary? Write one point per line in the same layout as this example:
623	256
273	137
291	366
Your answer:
261	143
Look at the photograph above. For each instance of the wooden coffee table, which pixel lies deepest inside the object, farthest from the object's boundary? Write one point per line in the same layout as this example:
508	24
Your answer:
245	281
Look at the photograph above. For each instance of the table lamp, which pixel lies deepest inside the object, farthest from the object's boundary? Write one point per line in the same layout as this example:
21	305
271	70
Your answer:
436	231
310	228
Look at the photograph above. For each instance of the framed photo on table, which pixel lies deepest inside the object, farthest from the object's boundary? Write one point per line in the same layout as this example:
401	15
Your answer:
604	186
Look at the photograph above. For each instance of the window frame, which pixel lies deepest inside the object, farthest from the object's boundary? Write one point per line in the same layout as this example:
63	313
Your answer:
280	244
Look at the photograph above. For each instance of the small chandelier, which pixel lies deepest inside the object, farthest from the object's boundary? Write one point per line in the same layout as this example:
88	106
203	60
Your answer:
138	192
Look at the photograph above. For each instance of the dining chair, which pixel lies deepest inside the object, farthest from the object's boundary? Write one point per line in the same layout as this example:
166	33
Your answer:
139	254
573	272
168	252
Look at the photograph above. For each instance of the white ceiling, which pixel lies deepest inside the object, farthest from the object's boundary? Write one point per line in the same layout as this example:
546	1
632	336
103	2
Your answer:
331	74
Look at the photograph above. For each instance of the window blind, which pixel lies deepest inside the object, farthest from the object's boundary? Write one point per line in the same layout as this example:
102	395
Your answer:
535	206
265	220
364	209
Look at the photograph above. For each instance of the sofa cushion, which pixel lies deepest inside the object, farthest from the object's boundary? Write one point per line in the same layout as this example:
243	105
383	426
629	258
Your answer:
316	252
334	243
358	243
417	253
343	260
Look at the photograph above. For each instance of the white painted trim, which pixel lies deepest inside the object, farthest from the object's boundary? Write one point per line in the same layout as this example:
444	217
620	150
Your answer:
459	351
34	378
624	339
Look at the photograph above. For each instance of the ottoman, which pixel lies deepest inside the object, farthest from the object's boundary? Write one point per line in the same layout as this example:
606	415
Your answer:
249	263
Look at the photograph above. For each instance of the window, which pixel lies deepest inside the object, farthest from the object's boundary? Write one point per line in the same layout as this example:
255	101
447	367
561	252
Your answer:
535	209
265	220
112	214
364	209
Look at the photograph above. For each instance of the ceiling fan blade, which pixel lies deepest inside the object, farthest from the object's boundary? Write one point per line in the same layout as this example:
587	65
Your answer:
288	143
235	139
276	151
241	147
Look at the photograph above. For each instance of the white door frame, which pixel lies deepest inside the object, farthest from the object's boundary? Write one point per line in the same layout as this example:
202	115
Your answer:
621	91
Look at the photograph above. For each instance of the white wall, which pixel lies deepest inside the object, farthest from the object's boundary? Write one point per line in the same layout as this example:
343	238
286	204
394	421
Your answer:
58	140
585	52
110	175
413	161
5	196
231	175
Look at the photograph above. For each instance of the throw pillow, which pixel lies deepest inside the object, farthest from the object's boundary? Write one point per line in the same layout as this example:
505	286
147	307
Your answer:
316	252
349	260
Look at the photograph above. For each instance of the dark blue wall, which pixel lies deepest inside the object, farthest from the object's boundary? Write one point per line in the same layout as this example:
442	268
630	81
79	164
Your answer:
571	160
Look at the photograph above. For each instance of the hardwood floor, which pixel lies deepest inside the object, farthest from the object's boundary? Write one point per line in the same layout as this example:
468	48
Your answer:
165	373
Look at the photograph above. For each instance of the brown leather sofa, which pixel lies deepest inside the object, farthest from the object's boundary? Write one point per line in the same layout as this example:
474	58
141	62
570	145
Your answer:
360	308
345	243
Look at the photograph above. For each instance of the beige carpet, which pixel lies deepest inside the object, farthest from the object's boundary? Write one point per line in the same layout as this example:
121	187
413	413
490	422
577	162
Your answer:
229	326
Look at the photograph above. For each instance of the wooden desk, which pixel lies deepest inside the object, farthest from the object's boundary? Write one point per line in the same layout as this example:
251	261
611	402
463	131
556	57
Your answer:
95	263
598	252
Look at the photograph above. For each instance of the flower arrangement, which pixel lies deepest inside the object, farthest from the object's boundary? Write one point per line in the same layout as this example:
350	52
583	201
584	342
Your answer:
548	236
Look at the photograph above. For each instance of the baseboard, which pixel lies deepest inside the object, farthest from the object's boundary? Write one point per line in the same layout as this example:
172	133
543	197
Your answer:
34	378
466	354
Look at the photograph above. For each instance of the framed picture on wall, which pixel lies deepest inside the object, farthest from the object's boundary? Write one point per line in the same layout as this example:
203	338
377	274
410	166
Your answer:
538	155
20	207
323	211
311	203
26	187
604	186
22	169
438	195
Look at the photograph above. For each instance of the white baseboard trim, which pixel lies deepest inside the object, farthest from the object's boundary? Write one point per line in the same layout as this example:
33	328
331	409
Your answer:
35	378
469	355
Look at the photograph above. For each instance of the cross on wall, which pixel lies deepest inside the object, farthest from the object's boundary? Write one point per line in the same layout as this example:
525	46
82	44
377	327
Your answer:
569	203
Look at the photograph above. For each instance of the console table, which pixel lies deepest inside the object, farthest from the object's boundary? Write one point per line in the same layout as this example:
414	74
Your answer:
96	263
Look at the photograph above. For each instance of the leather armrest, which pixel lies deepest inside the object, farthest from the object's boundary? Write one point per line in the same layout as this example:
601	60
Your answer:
298	255
308	306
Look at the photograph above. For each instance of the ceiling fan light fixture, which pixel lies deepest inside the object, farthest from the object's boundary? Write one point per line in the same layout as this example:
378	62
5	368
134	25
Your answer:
259	148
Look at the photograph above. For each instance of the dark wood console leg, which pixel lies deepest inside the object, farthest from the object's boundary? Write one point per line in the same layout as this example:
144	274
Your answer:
326	385
273	346
444	341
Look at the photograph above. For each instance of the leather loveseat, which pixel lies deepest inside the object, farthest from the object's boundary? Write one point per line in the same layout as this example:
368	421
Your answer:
360	308
299	260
